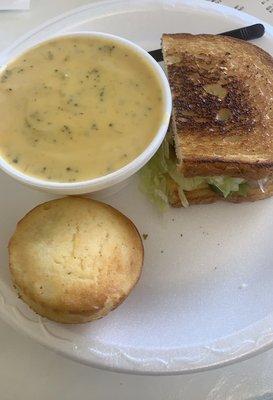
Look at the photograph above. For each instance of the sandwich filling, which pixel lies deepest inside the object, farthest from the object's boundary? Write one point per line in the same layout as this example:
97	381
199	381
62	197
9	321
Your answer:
157	174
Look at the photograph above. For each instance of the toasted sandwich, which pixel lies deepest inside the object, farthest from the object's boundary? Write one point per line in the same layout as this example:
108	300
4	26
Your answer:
221	140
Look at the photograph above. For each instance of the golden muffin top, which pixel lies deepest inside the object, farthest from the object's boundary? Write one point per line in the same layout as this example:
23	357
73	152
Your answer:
74	259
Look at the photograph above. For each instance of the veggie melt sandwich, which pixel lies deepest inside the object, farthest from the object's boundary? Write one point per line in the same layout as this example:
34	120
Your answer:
220	144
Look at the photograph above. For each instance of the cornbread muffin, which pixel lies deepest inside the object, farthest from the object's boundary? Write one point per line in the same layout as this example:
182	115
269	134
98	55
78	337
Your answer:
74	259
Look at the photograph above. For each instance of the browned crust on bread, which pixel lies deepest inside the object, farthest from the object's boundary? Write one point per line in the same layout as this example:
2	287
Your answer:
241	145
223	166
84	295
208	196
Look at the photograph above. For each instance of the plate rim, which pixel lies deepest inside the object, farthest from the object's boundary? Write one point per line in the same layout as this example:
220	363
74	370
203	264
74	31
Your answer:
144	366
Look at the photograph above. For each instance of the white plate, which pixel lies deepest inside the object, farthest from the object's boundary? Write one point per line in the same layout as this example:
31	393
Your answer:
205	298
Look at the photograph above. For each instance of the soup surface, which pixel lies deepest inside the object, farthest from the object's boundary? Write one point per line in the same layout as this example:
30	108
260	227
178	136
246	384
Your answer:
76	108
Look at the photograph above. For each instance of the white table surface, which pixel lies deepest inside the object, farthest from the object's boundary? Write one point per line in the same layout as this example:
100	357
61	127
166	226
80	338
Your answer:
30	372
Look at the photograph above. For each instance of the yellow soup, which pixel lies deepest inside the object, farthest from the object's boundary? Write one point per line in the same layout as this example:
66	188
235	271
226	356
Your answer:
77	108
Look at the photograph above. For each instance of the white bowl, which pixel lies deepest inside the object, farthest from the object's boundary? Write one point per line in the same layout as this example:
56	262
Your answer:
123	173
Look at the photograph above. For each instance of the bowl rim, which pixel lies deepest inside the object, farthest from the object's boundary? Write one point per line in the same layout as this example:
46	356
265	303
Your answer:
130	168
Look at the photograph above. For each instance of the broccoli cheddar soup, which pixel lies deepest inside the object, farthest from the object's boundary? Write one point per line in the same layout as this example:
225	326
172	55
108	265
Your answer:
76	108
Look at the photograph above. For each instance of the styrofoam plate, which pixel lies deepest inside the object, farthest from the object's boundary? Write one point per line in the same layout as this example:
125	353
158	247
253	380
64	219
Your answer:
205	297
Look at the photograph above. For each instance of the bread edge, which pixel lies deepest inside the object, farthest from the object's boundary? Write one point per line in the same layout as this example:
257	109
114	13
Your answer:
208	196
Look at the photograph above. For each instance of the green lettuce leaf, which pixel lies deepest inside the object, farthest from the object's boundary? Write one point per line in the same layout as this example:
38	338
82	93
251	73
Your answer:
225	184
153	180
155	174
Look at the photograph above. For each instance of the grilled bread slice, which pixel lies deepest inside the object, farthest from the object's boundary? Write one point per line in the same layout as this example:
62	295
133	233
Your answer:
222	92
208	195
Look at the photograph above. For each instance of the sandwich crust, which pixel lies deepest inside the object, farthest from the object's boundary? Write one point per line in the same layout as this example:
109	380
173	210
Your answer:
222	105
74	259
208	196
